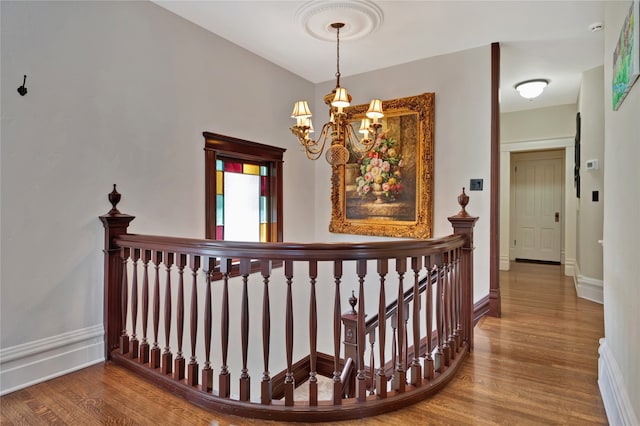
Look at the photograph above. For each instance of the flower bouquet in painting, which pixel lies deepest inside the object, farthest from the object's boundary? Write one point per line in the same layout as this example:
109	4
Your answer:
380	175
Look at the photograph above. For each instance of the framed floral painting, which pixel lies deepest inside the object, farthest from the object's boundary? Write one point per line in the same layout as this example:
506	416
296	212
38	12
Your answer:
388	191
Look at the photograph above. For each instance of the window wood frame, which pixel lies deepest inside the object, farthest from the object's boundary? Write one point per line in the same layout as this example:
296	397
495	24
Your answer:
218	146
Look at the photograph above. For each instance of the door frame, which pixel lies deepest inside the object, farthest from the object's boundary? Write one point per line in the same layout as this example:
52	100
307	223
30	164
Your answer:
568	249
556	155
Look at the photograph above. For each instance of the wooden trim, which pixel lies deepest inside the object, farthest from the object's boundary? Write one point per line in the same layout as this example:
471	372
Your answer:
115	224
481	308
293	251
301	369
350	408
494	220
216	145
240	148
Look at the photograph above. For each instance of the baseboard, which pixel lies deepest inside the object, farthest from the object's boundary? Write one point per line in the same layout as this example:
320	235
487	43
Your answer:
480	309
614	395
35	362
569	267
504	263
590	289
587	287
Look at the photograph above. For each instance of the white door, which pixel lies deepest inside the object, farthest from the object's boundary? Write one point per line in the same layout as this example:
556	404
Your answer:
538	206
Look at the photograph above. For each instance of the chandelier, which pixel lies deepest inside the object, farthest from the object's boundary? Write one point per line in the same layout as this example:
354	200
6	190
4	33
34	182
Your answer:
343	137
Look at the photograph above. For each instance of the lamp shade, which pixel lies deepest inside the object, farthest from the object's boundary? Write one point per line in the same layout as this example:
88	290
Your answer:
301	110
375	109
364	126
531	88
341	99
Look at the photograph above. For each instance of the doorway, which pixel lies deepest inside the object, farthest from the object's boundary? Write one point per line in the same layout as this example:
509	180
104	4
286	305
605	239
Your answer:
567	220
537	206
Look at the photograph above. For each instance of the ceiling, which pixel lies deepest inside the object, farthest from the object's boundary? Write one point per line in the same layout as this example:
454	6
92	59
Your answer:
548	39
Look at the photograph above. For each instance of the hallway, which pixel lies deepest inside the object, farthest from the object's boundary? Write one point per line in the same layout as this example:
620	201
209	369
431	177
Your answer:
536	365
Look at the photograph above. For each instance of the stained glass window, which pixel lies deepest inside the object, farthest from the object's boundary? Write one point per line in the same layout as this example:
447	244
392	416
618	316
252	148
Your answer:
243	184
241	201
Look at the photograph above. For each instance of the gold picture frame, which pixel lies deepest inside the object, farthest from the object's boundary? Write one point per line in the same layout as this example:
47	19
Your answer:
389	191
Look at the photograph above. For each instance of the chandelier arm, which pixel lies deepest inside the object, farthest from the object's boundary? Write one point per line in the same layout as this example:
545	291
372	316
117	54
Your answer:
358	147
315	153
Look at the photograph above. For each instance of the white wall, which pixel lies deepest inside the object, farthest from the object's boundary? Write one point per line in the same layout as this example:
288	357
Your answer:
535	130
461	82
540	123
590	215
619	369
118	92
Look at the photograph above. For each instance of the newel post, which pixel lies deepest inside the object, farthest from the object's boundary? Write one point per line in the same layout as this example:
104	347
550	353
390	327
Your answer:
115	224
350	323
463	224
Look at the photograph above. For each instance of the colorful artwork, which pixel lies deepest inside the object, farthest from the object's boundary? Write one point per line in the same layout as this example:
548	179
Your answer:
626	57
388	191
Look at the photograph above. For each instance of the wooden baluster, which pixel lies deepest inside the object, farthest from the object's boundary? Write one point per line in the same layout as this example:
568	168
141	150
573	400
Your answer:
381	377
124	338
458	332
394	346
179	363
400	378
155	350
337	315
429	372
135	344
225	377
416	367
167	356
439	361
406	335
144	345
266	384
361	380
245	379
446	349
207	370
452	305
372	360
289	381
192	368
313	334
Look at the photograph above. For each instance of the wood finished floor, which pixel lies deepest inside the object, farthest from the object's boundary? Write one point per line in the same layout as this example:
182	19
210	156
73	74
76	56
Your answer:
536	365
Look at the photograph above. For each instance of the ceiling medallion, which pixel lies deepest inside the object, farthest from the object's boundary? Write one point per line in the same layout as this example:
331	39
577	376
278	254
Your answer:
360	18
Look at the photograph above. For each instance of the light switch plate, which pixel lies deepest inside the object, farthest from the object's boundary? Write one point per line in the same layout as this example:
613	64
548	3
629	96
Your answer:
475	185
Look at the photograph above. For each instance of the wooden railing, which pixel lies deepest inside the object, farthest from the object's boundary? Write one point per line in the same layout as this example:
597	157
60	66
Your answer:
422	336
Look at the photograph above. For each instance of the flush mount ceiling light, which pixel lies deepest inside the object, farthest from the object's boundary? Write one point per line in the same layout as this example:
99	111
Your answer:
531	88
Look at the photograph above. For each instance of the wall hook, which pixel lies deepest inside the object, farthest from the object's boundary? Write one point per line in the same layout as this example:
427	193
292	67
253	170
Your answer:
23	90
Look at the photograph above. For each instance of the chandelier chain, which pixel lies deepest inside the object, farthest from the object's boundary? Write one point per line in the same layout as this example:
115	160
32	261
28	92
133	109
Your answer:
338	56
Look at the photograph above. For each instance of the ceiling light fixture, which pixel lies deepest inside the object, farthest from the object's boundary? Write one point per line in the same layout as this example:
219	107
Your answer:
531	88
338	129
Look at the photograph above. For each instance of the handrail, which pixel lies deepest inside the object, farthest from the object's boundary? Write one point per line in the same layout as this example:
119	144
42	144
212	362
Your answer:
156	286
294	251
347	371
